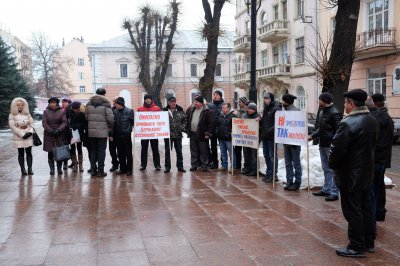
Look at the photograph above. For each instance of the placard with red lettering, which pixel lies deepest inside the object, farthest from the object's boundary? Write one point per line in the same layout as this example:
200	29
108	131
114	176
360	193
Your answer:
245	132
151	125
291	128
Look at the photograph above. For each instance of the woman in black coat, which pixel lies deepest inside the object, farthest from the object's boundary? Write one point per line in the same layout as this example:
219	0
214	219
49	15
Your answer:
77	121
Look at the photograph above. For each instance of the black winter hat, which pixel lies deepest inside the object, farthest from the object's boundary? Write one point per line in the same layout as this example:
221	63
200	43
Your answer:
357	95
147	96
54	99
76	105
218	92
325	97
378	97
289	98
199	99
270	96
120	100
171	98
101	91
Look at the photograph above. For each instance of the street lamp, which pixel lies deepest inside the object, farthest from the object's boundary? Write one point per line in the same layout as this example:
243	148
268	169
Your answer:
252	5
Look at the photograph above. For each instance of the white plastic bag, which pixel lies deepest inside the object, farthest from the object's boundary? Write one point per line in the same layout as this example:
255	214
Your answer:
75	136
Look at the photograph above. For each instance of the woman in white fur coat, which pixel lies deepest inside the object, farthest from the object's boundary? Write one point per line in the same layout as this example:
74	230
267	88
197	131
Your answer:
21	123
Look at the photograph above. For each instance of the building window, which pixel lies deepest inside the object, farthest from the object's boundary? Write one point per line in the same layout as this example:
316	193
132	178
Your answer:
123	69
276	12
275	51
235	99
300	50
248	27
285	53
81	75
376	80
248	64
169	71
218	70
301	98
284	10
264	58
264	18
378	14
300	8
82	89
193	70
333	22
81	62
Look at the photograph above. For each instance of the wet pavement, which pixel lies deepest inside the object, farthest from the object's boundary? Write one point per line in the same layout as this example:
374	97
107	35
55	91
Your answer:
152	218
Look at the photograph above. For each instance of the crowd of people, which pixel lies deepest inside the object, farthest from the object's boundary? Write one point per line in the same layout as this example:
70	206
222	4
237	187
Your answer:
354	150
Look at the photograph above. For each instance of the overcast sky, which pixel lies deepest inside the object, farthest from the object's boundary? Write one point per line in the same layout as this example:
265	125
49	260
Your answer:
95	20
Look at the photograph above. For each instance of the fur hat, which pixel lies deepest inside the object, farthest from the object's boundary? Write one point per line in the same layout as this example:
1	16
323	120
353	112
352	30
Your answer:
101	91
199	99
120	100
14	108
243	99
252	106
289	98
54	99
357	95
378	97
325	97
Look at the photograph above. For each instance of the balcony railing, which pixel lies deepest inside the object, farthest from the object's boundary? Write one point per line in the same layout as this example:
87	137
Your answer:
375	38
241	78
242	44
274	71
275	31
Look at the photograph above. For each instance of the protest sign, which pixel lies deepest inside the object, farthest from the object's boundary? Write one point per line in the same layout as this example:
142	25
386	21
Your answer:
245	132
291	128
151	125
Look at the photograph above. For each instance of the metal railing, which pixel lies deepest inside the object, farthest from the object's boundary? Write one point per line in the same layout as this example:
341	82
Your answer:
380	37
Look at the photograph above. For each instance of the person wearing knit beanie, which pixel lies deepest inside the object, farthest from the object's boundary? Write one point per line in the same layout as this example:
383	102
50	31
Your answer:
252	106
243	99
199	99
270	96
325	97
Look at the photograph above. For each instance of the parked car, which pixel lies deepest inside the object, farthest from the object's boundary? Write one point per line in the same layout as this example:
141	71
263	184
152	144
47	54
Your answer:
396	133
37	114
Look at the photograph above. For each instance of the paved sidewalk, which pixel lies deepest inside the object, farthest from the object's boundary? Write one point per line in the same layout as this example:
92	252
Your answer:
153	218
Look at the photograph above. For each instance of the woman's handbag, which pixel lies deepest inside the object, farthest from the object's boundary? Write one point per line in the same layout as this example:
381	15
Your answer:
76	137
35	137
61	153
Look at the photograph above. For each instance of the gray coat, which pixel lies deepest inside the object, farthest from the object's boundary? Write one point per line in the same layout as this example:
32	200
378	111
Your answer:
100	117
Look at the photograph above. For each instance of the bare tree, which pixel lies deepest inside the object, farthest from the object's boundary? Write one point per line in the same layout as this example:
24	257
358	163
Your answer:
50	67
211	31
152	37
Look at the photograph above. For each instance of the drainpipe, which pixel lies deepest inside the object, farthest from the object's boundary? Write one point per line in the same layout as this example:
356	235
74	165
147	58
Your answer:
184	76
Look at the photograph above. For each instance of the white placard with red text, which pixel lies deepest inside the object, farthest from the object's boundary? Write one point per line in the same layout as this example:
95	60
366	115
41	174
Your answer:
291	128
151	125
245	133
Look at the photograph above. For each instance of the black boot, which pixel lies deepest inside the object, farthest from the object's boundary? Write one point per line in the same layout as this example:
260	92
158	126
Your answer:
51	164
21	162
59	168
29	162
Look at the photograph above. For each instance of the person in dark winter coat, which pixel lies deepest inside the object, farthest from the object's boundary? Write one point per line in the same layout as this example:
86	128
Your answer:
292	152
239	112
352	159
100	119
267	125
77	121
66	107
250	154
224	133
124	120
383	157
112	145
177	125
55	124
21	124
327	123
216	107
199	126
149	106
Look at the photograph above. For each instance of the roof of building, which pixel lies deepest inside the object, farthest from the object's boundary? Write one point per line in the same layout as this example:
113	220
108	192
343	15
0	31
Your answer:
183	39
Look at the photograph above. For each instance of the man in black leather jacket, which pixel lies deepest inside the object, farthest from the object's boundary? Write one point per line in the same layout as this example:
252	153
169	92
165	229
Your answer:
326	125
352	159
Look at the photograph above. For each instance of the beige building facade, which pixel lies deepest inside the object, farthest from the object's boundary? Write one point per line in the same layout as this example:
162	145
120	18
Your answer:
115	68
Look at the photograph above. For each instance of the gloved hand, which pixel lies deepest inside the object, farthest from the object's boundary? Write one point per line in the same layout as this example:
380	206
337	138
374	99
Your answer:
27	135
55	132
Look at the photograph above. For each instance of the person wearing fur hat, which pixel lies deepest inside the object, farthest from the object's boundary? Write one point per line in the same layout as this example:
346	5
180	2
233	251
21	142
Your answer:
327	123
21	123
55	125
78	122
100	119
149	106
239	112
177	123
267	126
250	154
292	152
199	127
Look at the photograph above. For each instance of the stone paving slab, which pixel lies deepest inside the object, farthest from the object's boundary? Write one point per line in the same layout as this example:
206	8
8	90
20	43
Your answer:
152	218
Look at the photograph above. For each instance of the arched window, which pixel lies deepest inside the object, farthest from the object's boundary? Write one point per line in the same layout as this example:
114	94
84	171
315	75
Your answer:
193	93
264	18
301	98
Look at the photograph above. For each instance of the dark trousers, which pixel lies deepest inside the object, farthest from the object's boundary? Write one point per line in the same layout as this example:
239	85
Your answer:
250	159
214	151
76	147
377	185
112	146
238	154
98	154
21	157
124	149
356	207
198	152
154	148
177	143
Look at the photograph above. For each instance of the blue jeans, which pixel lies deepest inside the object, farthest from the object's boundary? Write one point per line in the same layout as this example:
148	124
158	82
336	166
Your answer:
329	183
226	147
268	150
292	160
378	182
